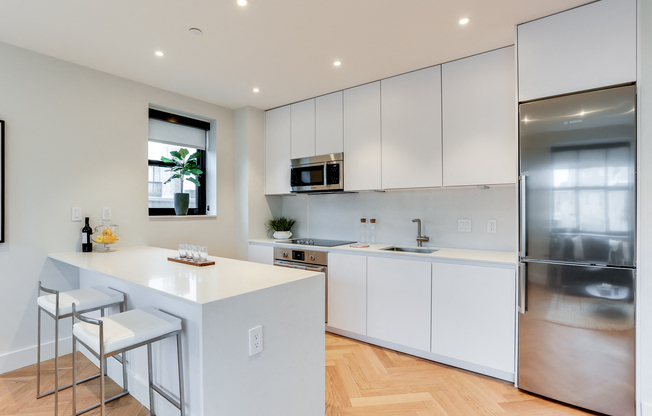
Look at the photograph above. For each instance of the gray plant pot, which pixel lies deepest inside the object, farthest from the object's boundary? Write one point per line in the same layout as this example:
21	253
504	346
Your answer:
181	202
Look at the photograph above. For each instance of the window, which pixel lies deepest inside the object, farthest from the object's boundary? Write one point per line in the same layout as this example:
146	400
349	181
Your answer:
169	132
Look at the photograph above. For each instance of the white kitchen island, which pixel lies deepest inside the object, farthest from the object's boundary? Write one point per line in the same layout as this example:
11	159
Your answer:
218	306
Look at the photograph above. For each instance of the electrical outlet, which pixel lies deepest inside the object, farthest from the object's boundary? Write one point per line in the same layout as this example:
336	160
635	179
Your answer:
464	225
255	340
76	214
491	226
106	213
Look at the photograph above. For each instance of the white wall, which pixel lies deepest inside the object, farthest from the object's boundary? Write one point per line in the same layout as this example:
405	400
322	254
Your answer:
78	137
337	216
644	313
252	207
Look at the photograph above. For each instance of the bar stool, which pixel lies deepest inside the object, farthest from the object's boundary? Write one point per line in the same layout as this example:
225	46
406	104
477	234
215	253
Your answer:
58	305
123	332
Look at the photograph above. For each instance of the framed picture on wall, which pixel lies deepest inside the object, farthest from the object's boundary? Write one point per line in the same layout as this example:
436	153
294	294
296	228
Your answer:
2	181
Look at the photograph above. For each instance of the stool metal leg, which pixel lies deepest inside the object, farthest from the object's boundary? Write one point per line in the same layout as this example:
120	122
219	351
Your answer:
102	370
152	412
38	358
56	361
74	375
182	402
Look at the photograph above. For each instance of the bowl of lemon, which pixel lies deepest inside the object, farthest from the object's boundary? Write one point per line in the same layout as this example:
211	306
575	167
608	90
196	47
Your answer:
105	234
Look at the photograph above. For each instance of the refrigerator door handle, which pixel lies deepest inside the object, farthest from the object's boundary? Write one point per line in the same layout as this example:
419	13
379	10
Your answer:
523	213
521	289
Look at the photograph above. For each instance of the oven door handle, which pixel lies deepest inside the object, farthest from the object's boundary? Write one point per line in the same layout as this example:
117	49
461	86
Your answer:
290	265
316	269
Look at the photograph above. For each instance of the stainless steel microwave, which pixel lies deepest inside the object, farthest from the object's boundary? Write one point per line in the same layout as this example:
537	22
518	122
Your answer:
317	174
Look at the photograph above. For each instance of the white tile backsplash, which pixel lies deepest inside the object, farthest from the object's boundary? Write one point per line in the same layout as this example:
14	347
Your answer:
337	216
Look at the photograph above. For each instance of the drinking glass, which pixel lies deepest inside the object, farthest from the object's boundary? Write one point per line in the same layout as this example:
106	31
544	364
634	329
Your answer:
203	253
195	252
182	251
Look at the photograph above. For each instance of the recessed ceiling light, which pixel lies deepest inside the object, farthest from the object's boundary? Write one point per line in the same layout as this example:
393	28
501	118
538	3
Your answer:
337	63
195	31
159	53
256	90
464	21
242	2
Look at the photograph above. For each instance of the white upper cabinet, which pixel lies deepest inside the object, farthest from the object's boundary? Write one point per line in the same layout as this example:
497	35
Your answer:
329	127
587	47
303	129
362	145
411	130
479	112
277	151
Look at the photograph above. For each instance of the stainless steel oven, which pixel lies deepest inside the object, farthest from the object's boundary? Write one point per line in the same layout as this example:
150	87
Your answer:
317	174
314	261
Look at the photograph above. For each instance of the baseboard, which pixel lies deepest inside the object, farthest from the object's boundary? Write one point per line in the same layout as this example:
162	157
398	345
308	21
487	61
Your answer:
28	356
492	372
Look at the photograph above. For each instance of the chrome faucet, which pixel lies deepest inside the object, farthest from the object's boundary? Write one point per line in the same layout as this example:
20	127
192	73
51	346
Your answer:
420	238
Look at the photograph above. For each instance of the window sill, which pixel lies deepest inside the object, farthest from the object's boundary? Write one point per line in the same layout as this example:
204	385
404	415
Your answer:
182	217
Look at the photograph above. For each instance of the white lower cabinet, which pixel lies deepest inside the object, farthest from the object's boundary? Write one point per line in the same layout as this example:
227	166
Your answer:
398	301
347	292
473	314
261	254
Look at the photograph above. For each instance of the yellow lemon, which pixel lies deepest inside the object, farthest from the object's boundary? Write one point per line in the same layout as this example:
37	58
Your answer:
107	231
111	239
99	239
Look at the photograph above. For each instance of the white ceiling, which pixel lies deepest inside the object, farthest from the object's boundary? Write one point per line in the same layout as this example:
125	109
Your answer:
284	47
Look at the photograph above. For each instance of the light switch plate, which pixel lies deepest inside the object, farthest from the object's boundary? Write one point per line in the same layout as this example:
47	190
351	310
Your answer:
464	225
106	213
491	226
76	214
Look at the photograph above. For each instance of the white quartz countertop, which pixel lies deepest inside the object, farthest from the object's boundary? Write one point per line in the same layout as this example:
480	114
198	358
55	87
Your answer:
442	254
150	267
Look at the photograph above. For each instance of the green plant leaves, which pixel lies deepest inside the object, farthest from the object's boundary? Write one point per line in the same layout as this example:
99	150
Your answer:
183	167
280	224
193	180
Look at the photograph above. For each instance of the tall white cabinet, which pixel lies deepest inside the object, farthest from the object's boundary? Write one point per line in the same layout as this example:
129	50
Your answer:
479	113
362	143
411	129
329	124
584	48
277	151
302	136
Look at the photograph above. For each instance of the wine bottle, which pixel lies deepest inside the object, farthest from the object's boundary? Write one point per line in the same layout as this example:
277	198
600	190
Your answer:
87	246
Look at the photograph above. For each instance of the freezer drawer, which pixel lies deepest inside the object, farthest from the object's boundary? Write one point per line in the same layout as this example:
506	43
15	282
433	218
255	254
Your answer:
576	336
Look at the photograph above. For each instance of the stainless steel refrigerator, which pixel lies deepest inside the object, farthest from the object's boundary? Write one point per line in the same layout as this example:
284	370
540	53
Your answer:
577	249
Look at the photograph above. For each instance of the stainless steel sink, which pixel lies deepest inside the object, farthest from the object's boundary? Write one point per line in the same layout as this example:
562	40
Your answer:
410	250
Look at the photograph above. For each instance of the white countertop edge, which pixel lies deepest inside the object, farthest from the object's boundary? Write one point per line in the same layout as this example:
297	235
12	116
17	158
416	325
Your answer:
443	254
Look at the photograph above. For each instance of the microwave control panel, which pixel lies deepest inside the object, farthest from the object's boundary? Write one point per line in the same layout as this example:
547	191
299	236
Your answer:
332	174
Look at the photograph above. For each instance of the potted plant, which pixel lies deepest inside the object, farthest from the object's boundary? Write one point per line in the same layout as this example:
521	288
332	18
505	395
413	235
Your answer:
185	167
281	226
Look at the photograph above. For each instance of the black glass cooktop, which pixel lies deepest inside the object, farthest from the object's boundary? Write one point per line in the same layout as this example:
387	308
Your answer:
319	242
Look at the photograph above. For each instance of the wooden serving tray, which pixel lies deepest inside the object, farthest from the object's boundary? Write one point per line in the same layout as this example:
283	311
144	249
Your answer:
191	262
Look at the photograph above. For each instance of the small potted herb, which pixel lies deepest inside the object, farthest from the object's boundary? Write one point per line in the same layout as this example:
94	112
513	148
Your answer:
184	169
281	226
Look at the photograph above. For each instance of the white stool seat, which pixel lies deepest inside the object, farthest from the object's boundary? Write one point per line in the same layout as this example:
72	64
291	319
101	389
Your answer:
89	298
127	329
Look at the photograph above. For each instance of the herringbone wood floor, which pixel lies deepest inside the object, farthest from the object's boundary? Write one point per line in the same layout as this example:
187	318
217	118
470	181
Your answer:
18	391
365	380
361	380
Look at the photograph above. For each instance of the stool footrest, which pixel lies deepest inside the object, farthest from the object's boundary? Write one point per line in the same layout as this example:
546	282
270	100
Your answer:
67	386
166	396
95	406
